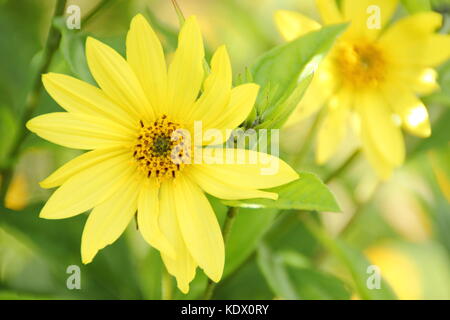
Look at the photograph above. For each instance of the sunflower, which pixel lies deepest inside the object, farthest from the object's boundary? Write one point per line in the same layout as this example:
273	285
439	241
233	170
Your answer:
136	165
371	78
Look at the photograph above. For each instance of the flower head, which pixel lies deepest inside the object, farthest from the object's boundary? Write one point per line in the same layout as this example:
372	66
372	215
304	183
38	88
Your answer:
137	163
371	76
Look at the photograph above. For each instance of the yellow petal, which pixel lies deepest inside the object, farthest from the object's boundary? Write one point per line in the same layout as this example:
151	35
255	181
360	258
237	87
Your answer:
293	24
241	102
425	82
378	118
185	74
77	96
382	167
416	25
183	266
431	56
329	11
199	227
247	169
367	16
334	126
89	187
412	41
148	218
115	76
222	189
78	131
78	164
217	89
421	80
412	111
108	220
146	57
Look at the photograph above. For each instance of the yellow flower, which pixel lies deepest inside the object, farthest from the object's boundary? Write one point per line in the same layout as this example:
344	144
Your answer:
17	196
399	270
128	123
371	76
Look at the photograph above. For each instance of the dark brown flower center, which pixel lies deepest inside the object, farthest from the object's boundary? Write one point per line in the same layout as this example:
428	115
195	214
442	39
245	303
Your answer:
162	149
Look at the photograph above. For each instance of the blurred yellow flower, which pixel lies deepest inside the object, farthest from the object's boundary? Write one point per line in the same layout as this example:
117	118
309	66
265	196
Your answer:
128	123
399	270
17	195
371	76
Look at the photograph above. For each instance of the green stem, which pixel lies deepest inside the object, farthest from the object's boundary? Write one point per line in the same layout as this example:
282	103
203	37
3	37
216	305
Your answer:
180	14
357	213
52	44
226	230
181	20
344	166
300	157
166	285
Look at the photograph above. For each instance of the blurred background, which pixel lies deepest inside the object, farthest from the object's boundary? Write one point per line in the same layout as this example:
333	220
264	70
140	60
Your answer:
402	225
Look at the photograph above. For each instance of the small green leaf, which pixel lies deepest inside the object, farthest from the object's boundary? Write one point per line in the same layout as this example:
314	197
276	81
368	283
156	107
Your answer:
280	70
276	117
306	193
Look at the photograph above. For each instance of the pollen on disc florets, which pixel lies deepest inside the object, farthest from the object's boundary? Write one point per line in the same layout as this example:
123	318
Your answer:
162	149
360	65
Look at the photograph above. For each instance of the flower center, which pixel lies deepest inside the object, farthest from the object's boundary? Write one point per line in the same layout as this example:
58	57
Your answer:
162	149
360	65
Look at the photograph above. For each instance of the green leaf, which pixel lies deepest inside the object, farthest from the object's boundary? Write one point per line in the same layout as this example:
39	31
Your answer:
276	117
8	132
247	231
196	287
150	272
312	284
73	50
414	6
440	163
275	274
355	263
306	193
247	283
281	70
291	281
58	241
22	24
10	295
439	138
